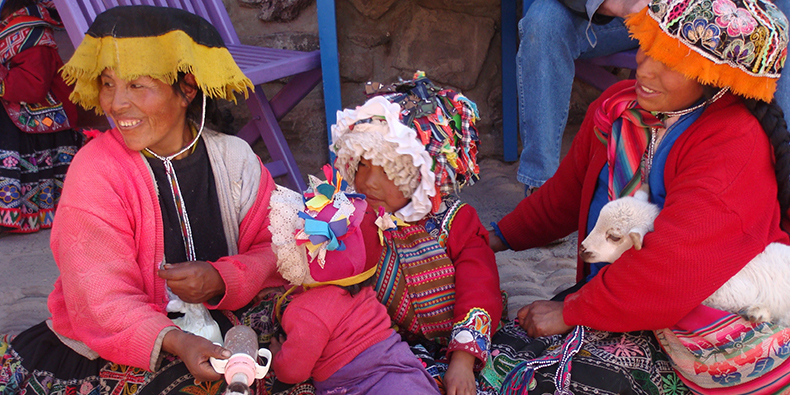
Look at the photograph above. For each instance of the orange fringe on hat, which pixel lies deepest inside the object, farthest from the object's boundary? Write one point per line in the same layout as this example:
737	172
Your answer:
679	57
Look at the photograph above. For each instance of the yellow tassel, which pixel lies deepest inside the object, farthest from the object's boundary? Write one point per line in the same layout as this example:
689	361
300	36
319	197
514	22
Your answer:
215	71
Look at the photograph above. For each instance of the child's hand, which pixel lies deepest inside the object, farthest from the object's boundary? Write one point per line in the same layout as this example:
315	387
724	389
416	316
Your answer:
276	344
460	376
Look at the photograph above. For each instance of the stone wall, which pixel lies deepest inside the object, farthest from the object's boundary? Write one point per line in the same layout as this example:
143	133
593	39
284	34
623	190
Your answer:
457	44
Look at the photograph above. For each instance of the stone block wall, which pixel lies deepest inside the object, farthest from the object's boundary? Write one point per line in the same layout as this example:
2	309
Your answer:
456	42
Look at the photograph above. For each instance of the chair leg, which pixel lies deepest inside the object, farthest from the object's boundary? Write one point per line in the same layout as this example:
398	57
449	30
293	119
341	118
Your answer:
264	125
294	91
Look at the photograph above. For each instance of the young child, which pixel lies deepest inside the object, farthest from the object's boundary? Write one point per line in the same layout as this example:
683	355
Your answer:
337	332
434	270
36	139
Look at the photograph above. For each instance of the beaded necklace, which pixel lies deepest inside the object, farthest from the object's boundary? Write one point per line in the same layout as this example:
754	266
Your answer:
178	200
655	141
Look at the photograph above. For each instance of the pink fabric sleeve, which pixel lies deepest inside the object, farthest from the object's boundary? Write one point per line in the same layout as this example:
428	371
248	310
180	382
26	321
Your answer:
255	267
307	338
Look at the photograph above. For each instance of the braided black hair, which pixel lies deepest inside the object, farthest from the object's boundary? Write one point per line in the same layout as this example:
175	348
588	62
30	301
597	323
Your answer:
772	119
356	288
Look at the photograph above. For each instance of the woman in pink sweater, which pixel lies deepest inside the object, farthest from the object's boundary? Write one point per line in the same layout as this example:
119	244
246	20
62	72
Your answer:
156	210
699	127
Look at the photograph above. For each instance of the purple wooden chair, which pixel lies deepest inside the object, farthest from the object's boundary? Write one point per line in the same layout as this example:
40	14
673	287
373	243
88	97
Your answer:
259	64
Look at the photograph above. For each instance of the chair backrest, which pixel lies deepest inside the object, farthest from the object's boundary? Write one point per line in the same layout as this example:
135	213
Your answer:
77	15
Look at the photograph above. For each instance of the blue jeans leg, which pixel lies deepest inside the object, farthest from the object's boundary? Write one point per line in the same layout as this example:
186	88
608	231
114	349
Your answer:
552	37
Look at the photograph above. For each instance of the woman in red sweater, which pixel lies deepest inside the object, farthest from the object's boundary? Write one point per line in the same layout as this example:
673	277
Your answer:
699	127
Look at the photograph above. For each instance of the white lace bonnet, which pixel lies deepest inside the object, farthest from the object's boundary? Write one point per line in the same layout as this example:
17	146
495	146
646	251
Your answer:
381	138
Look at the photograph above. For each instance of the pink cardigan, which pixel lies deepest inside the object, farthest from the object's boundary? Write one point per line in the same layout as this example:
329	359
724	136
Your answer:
108	243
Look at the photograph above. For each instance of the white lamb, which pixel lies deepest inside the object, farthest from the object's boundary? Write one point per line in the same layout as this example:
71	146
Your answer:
759	292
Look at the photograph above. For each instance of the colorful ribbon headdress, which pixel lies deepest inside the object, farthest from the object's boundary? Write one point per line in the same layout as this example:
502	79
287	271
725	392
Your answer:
322	242
423	136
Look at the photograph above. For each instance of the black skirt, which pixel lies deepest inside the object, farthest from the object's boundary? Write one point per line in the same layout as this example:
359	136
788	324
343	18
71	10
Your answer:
36	362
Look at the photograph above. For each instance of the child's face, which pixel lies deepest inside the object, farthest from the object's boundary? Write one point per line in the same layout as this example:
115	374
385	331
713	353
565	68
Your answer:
378	188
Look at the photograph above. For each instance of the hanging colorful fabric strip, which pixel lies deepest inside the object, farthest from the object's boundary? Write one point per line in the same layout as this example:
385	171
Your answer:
522	378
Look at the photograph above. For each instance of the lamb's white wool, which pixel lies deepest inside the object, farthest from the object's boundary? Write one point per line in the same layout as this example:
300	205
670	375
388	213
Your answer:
622	224
758	291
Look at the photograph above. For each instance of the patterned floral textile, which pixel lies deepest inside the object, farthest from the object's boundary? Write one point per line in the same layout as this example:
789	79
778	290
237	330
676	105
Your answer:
740	44
473	335
32	170
721	353
608	363
41	347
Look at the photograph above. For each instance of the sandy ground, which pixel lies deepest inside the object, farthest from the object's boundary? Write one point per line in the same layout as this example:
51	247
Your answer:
29	270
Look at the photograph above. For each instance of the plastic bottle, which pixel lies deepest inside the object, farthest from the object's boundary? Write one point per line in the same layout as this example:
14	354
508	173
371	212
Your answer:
241	369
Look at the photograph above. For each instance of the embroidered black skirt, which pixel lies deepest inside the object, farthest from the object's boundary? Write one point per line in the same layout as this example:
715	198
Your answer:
36	362
32	169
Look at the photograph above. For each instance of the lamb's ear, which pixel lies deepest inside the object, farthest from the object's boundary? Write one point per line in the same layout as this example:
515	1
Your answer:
636	235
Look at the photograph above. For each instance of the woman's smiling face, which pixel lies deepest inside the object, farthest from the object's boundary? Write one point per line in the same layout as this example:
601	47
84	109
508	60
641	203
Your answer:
147	112
378	189
659	88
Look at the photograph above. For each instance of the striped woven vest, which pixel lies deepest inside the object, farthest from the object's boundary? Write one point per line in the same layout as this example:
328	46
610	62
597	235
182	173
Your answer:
416	278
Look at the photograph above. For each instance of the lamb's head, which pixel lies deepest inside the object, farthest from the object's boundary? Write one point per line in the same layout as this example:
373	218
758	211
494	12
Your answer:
622	224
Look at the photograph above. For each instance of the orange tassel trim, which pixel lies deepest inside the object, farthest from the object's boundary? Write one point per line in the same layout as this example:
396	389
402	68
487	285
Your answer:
679	57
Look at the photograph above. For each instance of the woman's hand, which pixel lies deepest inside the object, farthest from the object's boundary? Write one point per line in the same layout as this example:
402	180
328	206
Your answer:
460	376
621	8
195	351
543	318
495	242
193	282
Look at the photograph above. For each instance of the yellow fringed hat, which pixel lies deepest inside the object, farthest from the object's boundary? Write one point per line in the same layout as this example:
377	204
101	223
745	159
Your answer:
741	44
158	42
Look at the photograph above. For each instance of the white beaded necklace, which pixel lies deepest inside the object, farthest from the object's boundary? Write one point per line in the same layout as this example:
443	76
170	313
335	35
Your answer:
178	199
655	141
